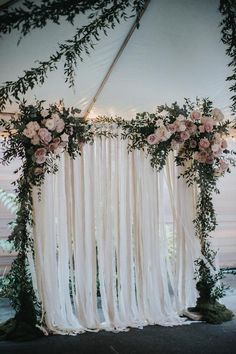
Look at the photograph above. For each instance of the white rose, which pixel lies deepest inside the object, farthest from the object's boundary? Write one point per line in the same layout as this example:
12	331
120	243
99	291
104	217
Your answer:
44	113
182	128
180	118
35	140
58	150
50	124
29	133
215	147
167	135
217	114
64	137
55	117
159	122
33	126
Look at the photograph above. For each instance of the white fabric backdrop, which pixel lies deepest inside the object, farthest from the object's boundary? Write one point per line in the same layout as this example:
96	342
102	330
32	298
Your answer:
102	218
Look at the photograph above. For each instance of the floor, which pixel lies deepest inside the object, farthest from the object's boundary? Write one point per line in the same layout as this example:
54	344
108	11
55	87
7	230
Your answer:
198	338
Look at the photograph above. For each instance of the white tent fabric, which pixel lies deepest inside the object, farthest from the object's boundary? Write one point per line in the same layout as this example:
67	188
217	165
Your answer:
102	219
175	53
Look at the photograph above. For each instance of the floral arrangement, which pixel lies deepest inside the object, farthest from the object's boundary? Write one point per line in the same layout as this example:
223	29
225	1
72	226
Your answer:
41	135
191	133
195	132
37	136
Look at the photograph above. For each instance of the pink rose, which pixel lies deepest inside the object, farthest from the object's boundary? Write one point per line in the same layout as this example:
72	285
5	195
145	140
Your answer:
192	144
217	138
59	150
45	135
29	133
60	125
33	126
152	139
172	127
184	135
195	115
55	117
175	145
180	118
54	145
200	156
208	124
204	143
201	128
182	127
57	140
188	124
35	140
162	133
215	147
224	144
40	155
210	159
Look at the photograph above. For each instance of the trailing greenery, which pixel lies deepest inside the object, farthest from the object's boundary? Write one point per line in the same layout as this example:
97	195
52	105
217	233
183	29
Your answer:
38	148
196	132
228	30
102	15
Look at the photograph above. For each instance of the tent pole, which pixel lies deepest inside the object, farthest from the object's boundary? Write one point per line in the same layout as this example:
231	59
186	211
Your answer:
120	51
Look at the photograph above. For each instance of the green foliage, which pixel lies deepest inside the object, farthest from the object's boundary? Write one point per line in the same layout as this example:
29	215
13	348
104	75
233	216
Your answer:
18	283
102	15
201	173
8	200
214	313
228	30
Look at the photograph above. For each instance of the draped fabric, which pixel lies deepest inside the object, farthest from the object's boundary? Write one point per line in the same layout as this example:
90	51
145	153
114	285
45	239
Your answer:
104	256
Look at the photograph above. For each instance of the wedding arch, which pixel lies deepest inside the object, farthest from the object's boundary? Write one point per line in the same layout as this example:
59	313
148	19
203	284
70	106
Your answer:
90	228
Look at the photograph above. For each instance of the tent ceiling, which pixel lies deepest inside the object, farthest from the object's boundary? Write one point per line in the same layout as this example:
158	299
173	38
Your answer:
176	53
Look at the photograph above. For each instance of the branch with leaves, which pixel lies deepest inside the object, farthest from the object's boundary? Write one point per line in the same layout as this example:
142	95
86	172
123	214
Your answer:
102	15
228	30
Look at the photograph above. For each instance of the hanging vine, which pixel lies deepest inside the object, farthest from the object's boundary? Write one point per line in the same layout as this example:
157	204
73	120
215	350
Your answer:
228	30
102	15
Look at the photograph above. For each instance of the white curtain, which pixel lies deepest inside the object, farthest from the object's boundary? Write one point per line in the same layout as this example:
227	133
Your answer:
101	242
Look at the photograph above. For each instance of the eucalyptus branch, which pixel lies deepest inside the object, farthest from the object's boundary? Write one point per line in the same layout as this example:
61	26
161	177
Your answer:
71	51
228	30
32	15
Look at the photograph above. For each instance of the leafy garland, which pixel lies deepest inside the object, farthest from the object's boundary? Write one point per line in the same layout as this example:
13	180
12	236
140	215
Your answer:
38	137
228	30
102	15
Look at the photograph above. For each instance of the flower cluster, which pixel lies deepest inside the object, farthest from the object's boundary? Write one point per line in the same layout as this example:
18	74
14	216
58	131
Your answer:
47	135
194	135
39	136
